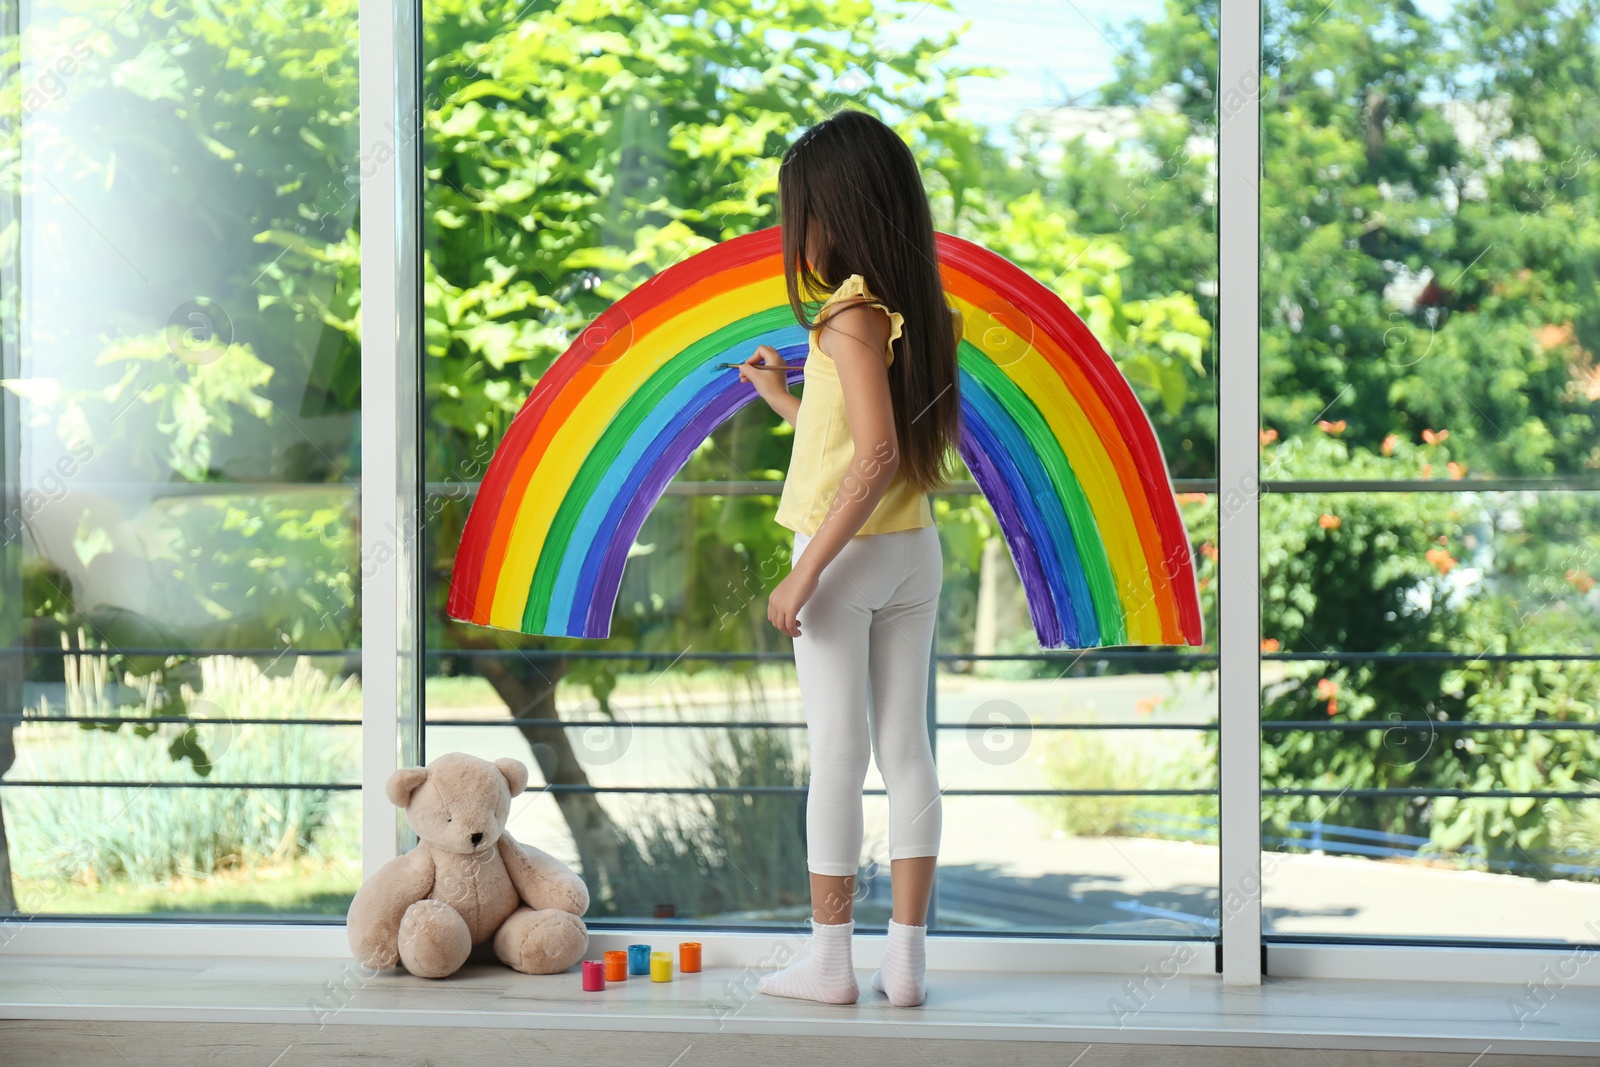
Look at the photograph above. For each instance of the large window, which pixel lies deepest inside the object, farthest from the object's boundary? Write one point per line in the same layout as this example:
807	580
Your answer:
182	438
179	729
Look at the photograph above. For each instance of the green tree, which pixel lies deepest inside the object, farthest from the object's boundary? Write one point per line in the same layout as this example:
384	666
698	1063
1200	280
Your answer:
1429	303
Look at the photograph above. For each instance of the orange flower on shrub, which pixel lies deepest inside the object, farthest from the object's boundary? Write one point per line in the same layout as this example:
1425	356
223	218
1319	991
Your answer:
1328	689
1191	498
1427	470
1454	468
1328	522
1434	438
1582	581
1441	559
1208	550
1268	436
1389	443
1330	427
1270	644
1552	335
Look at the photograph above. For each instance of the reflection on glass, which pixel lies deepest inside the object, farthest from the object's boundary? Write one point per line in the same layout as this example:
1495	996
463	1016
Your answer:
180	458
559	181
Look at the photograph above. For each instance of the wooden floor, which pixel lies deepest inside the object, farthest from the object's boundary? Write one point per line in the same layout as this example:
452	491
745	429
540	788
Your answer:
283	1012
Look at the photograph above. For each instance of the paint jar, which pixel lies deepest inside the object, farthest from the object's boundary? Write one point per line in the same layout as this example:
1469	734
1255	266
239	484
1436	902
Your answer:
638	959
617	965
660	966
689	957
594	976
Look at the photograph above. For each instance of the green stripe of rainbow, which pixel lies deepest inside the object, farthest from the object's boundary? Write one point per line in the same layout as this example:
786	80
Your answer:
1052	433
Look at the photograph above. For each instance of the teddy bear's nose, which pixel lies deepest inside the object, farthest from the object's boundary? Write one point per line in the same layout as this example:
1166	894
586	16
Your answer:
477	839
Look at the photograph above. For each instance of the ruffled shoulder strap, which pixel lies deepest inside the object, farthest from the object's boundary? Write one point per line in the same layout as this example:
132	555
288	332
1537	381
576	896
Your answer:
856	286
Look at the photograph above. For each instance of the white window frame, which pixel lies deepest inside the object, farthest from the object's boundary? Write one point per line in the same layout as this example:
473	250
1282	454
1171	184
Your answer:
391	599
1238	498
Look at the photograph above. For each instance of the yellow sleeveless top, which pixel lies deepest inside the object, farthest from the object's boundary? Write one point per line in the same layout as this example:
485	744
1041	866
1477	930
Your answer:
823	446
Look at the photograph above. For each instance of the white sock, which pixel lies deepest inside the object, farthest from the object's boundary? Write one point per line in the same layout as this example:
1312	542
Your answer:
904	972
827	973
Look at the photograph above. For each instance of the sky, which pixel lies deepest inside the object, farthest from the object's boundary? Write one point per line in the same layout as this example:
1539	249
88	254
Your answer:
1053	50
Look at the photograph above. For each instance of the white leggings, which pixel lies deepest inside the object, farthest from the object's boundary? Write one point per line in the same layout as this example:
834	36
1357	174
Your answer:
862	661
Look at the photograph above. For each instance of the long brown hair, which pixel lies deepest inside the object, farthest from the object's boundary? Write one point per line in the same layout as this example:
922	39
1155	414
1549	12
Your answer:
854	183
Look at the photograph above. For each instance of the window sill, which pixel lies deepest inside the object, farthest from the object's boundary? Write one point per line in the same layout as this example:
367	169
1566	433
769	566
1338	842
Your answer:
46	999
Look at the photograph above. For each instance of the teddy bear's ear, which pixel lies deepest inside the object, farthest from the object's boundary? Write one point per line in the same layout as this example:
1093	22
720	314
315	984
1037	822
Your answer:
403	783
516	773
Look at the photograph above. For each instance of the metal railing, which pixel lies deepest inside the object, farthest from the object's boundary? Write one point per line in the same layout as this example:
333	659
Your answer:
1304	836
1324	838
1193	659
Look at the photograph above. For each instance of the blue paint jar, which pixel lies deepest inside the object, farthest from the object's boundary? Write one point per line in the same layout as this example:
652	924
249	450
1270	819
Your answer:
638	959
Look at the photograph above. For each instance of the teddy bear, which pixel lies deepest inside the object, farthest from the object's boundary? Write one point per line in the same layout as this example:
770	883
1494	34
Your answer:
468	880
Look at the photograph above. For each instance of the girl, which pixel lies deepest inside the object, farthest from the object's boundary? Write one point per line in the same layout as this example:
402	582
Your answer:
874	429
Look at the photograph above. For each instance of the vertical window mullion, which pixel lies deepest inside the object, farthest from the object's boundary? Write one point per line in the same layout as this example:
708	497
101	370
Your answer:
1238	487
389	536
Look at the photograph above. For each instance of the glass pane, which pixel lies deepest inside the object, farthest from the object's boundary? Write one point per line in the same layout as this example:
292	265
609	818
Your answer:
181	460
1430	696
575	152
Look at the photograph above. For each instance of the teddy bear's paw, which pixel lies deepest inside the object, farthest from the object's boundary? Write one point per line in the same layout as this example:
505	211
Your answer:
544	941
434	939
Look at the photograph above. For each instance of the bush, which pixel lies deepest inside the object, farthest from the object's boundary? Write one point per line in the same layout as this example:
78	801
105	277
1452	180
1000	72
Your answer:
1104	759
151	833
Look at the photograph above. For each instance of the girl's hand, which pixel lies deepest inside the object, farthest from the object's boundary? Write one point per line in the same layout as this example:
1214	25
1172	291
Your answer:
783	606
770	384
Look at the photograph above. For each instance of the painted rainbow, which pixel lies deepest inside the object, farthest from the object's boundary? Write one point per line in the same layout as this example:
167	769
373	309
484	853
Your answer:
1052	433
